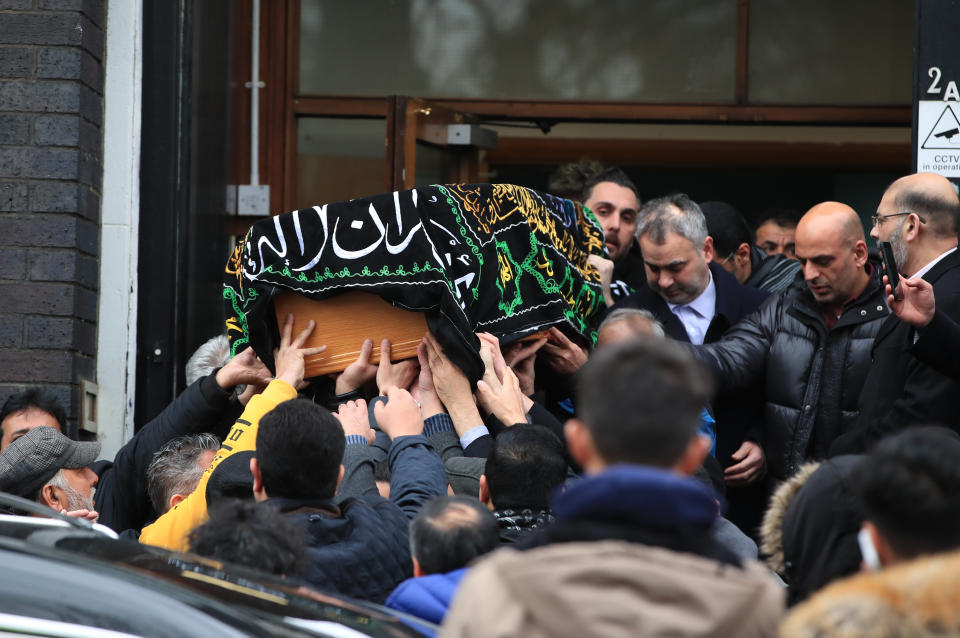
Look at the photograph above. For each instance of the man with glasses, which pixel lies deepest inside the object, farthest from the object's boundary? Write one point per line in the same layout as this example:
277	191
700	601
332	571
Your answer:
918	215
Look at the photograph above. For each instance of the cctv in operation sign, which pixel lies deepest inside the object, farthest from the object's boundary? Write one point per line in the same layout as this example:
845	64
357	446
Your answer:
936	105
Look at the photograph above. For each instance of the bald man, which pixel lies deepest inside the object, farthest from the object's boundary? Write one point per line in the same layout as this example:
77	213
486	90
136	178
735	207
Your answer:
918	215
810	344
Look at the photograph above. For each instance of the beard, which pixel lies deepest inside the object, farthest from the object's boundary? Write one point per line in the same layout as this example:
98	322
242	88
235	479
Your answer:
899	247
77	501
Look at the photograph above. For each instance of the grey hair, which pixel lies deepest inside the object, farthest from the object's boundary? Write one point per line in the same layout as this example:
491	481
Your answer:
57	480
624	314
174	468
675	213
212	354
75	499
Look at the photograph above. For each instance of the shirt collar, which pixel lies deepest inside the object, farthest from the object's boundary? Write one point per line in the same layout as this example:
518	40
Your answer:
926	269
705	304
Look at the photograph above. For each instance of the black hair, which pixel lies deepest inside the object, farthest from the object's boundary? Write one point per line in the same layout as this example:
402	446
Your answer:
779	215
727	227
299	449
614	175
641	400
450	531
909	487
254	535
524	466
569	179
34	398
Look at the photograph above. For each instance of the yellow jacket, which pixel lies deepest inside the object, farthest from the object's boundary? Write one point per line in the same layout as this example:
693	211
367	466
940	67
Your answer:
170	530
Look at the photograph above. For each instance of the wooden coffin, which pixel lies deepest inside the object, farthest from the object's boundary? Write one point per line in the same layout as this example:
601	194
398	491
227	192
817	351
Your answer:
344	321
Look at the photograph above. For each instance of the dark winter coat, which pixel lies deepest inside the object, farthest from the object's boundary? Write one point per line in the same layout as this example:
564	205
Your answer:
360	547
900	390
812	377
810	529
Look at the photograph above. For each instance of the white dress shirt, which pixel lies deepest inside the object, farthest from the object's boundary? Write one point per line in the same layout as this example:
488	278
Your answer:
697	315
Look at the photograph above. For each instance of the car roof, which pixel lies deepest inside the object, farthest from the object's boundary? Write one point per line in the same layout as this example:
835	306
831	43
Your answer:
128	587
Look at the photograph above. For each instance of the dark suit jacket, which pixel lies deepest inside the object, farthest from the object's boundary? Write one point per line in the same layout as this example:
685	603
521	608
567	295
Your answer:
739	415
938	345
900	390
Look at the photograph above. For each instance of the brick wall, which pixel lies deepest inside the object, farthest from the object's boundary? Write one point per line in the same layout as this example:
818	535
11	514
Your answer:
51	114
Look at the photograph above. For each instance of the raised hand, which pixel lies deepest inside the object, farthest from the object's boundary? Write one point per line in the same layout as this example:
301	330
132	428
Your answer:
423	390
355	419
289	357
357	373
506	402
918	304
561	354
522	357
452	387
245	368
605	268
389	374
400	415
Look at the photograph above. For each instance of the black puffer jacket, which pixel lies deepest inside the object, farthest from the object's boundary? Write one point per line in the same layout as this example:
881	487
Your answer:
812	377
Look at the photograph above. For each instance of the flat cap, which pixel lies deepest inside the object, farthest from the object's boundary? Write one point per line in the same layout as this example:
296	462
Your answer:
33	459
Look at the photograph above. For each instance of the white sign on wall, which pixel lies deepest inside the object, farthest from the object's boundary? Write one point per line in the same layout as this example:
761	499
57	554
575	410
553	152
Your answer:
938	138
938	125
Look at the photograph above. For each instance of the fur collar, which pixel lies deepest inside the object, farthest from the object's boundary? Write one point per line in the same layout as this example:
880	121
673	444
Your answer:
771	532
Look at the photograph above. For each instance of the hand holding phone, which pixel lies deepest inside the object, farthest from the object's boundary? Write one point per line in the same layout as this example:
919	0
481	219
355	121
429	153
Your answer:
890	266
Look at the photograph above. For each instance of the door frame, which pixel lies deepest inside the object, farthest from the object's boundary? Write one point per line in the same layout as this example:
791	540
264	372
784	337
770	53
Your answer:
280	35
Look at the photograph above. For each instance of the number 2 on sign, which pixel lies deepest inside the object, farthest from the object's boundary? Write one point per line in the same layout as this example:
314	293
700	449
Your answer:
936	74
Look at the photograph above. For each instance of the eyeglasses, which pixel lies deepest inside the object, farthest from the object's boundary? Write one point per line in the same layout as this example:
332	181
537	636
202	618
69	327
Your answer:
878	219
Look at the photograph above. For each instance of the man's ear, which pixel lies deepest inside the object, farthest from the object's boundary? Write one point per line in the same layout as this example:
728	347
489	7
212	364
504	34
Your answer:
911	227
860	253
340	476
708	249
51	498
258	492
693	456
742	254
580	444
484	494
175	500
417	570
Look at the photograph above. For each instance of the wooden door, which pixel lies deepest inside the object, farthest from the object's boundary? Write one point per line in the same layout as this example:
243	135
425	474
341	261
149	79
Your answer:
417	133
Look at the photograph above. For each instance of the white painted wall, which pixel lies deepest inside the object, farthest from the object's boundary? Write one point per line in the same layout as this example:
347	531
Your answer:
119	225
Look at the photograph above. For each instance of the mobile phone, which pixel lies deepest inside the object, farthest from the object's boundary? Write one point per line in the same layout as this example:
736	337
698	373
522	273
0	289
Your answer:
890	266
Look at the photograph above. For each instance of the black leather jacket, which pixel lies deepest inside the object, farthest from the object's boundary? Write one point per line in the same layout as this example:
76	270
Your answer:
812	377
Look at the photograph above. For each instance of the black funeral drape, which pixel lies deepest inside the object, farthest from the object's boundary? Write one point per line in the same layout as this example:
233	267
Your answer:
491	258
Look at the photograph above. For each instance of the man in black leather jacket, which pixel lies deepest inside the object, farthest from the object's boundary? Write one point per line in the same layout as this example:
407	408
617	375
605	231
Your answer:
809	344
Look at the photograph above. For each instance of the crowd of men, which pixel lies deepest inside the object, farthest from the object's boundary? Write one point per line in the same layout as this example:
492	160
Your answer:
746	387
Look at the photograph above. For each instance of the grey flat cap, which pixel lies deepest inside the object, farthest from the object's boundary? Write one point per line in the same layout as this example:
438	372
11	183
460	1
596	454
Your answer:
33	459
